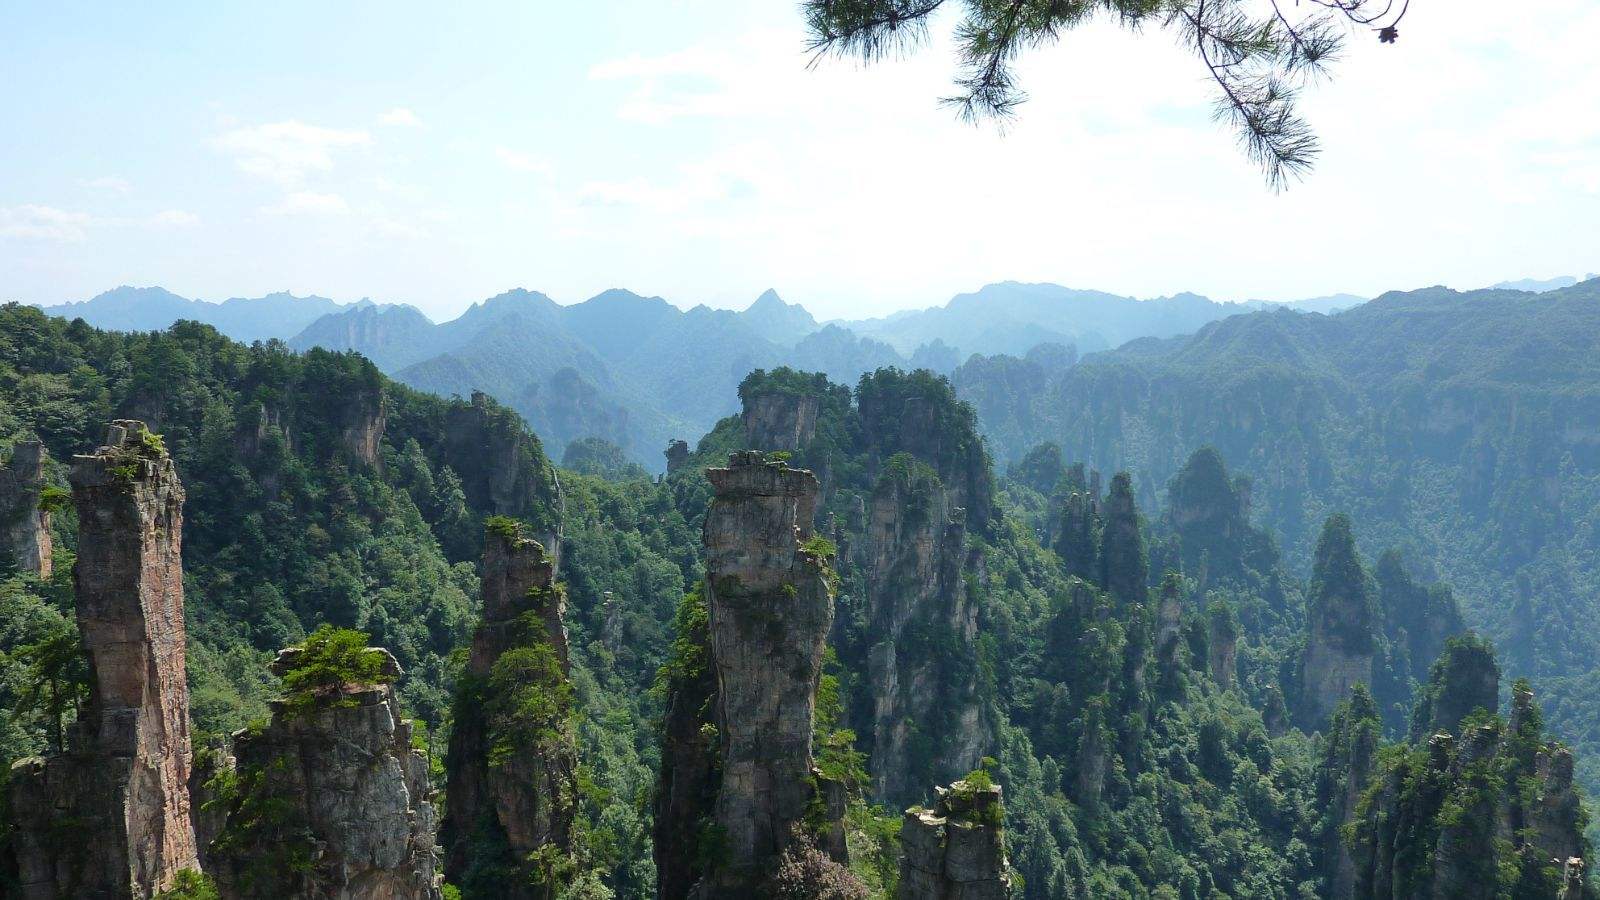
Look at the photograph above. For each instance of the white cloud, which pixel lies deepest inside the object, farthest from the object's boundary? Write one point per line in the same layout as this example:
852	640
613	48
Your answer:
44	223
174	218
286	152
517	161
108	184
400	116
309	203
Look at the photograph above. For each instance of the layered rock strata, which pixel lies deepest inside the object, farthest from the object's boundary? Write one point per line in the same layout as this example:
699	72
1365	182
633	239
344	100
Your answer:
955	851
110	817
334	802
512	784
770	606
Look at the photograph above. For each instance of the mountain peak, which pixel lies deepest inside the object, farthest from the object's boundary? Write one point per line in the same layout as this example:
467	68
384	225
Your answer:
777	321
769	298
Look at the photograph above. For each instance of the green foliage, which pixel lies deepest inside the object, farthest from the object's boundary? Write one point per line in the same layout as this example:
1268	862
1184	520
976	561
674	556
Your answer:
600	458
503	527
331	658
527	699
189	884
54	499
284	530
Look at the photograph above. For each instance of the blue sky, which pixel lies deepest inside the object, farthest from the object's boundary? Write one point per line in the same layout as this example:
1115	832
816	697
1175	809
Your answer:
437	153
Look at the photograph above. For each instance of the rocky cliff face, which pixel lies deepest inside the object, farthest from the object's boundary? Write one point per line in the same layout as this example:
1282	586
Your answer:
361	416
1343	629
770	606
111	816
686	786
503	468
24	526
512	764
1078	539
1124	569
333	802
1349	758
677	454
1489	812
955	851
920	611
780	421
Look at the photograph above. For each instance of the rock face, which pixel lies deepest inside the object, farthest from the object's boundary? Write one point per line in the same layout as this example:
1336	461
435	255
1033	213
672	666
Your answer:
1077	543
1125	571
677	455
503	468
770	607
361	415
933	429
334	802
1343	623
1348	760
917	556
686	786
779	420
1222	644
1464	679
24	526
1489	812
512	783
121	791
955	851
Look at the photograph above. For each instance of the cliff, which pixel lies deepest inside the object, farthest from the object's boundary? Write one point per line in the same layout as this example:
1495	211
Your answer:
770	605
503	467
512	763
331	800
1342	619
956	851
111	817
777	420
920	615
1125	572
1488	812
24	522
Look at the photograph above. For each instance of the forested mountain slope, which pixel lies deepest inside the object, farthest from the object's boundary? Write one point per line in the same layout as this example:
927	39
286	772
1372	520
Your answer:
1144	680
1464	427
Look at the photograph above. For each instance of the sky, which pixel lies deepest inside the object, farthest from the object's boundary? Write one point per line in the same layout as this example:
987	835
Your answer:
440	153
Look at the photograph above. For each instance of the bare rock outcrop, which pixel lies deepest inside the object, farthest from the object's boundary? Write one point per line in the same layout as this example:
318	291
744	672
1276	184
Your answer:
677	454
509	777
332	801
24	523
1490	811
503	467
110	817
1343	638
955	851
770	606
777	420
361	416
917	557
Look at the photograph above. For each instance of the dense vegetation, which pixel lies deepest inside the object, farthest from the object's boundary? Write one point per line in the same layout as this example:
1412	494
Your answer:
1133	664
1457	427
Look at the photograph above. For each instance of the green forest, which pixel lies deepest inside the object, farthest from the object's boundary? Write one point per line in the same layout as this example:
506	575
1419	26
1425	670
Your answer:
1185	684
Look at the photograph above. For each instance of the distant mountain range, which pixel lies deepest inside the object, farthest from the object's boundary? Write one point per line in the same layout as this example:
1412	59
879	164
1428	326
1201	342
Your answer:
126	308
1538	286
638	371
1012	317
